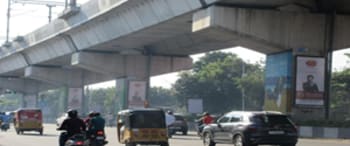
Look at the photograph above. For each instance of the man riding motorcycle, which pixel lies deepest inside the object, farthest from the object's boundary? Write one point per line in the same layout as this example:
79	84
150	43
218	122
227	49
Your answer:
96	126
73	125
206	119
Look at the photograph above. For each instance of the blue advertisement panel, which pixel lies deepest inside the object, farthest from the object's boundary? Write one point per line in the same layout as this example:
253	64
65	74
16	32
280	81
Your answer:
278	81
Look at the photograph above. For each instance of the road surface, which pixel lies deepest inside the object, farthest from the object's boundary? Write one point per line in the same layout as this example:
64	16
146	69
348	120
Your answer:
10	138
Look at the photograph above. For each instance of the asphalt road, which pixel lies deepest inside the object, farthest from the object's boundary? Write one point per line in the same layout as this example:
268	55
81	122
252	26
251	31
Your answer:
50	138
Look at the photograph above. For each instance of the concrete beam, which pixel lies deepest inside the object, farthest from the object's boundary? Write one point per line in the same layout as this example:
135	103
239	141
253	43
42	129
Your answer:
26	86
74	78
11	63
266	31
129	65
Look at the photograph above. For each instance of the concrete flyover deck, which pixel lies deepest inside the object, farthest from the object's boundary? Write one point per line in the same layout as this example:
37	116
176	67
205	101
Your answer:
108	39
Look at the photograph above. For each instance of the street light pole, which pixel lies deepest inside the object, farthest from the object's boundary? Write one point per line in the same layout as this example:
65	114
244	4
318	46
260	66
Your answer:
8	20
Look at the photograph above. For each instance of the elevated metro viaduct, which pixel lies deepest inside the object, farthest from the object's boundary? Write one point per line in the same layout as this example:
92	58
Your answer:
133	40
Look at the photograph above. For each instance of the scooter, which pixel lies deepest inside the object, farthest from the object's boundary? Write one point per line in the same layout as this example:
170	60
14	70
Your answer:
199	128
97	139
4	126
76	140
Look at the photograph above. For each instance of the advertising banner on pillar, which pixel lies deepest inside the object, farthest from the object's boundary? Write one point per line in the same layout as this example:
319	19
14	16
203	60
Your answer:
137	94
75	98
195	106
278	81
310	78
30	101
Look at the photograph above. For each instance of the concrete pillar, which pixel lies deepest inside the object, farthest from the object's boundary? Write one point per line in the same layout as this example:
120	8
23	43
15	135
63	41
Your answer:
30	100
121	94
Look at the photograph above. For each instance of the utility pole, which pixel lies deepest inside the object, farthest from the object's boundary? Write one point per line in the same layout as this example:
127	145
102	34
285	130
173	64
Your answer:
49	4
8	21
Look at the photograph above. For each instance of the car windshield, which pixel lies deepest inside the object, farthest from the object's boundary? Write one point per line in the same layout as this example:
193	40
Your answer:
149	119
179	118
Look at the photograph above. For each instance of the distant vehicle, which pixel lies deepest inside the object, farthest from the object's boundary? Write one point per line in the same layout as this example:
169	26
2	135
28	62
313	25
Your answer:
28	120
60	119
180	125
251	129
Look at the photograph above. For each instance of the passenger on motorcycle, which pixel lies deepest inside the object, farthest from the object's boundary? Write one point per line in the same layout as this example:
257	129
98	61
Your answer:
96	127
88	119
96	123
73	125
206	119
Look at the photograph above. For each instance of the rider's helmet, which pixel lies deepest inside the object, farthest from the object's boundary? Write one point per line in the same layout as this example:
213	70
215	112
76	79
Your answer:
72	113
97	114
91	114
170	112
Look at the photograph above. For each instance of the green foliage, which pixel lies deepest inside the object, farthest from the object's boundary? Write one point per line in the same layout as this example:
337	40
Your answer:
102	99
161	97
340	85
10	102
217	79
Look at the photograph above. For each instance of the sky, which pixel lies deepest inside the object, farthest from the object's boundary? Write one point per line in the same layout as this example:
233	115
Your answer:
26	18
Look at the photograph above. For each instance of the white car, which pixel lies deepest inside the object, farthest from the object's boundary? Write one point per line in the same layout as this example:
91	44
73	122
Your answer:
60	119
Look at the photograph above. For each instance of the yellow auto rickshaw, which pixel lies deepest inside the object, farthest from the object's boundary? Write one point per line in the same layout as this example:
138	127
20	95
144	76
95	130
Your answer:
28	120
142	126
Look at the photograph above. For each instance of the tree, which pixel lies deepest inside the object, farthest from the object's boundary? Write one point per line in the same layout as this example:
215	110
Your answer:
217	79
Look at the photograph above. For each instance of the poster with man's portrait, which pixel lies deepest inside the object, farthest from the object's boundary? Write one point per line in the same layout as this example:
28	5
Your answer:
310	78
137	94
75	98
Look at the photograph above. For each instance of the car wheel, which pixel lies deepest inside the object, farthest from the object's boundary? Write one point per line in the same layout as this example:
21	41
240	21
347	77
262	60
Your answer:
207	141
238	141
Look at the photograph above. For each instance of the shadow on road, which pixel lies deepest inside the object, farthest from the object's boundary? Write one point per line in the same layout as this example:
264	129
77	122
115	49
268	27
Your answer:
34	134
185	137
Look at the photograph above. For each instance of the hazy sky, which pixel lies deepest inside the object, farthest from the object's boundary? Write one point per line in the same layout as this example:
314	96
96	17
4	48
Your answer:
27	18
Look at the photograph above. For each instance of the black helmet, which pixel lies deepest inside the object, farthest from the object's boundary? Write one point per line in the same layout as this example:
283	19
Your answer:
97	113
72	113
170	112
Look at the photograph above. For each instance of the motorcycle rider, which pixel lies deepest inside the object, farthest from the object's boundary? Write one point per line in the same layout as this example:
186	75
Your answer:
88	119
73	125
206	119
169	120
96	123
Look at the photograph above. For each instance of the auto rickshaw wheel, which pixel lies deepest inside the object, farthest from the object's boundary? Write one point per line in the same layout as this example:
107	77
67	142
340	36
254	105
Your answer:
130	144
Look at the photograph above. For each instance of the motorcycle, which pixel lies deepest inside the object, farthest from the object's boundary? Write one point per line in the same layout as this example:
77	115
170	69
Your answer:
199	128
97	139
4	126
76	140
